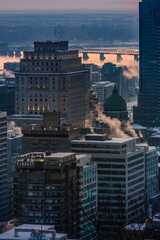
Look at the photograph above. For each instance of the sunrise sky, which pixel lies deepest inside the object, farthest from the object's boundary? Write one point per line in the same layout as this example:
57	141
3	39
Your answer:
130	5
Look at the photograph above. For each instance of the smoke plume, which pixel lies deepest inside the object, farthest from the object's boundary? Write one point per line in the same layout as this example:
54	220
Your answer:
131	71
115	125
8	74
12	126
88	124
140	134
128	128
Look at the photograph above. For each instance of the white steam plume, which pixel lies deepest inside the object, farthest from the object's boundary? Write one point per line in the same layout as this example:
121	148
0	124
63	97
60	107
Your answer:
130	71
115	124
12	126
89	122
8	74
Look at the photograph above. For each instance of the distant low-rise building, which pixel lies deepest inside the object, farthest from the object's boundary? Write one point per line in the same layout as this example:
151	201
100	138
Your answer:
96	77
12	66
112	73
103	90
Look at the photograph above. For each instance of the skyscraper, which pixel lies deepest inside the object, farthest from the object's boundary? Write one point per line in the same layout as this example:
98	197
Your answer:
148	111
121	178
59	189
4	186
46	197
51	78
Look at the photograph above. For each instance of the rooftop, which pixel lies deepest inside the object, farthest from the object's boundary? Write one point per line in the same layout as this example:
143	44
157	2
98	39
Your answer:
34	158
138	126
107	83
25	232
136	227
109	141
60	155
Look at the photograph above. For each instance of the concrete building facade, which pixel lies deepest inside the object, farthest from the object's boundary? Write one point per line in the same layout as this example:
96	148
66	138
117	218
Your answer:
121	177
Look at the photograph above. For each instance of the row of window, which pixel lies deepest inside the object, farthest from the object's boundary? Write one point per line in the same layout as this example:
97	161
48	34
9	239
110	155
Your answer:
111	166
119	160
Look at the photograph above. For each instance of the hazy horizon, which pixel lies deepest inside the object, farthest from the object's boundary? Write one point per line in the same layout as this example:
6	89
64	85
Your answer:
69	5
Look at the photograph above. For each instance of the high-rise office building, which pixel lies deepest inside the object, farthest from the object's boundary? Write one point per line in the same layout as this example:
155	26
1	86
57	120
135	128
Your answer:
121	178
42	191
4	186
151	179
56	189
148	111
51	78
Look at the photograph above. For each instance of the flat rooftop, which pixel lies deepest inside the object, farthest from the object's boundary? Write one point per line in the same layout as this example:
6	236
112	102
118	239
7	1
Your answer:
24	232
60	155
109	141
107	83
138	126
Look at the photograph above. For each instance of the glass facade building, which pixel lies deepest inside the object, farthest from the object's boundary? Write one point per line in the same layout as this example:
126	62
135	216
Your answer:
148	111
89	195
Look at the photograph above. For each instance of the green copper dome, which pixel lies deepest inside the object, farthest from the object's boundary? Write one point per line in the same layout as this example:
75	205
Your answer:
115	102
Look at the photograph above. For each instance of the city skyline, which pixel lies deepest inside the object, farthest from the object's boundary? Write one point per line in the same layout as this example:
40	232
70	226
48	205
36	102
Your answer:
113	5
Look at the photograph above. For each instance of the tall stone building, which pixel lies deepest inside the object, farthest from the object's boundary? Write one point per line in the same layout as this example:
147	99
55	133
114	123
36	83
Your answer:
51	78
148	111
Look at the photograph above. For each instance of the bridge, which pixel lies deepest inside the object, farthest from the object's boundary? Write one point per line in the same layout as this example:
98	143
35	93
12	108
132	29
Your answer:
119	53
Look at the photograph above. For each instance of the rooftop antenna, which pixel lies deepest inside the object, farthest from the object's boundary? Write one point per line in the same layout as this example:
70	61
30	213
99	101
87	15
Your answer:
59	34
